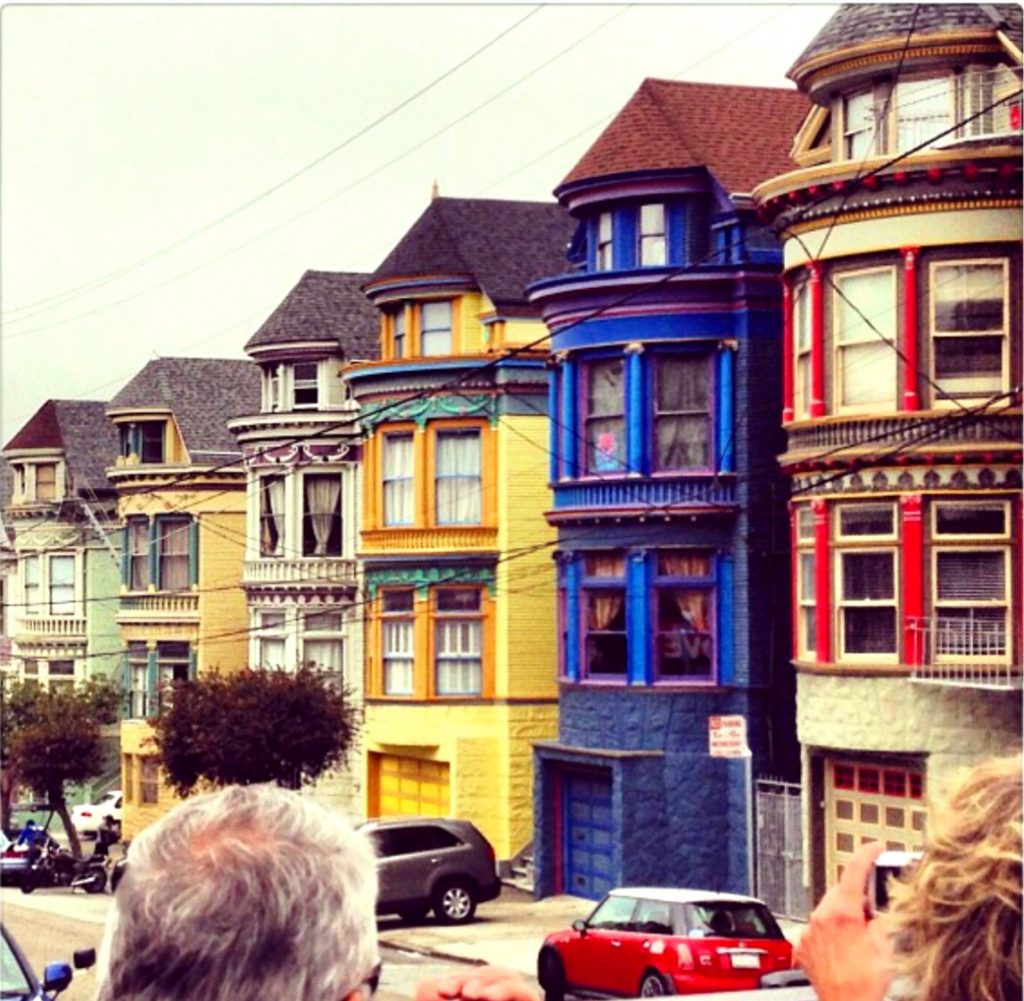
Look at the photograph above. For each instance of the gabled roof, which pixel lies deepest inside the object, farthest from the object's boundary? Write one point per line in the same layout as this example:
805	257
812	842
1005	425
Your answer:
202	393
82	430
855	24
741	134
325	306
499	245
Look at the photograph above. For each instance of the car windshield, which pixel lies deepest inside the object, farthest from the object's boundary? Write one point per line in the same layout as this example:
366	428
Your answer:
732	919
12	976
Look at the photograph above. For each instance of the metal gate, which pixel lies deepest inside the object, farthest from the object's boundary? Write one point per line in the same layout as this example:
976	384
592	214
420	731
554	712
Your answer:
780	848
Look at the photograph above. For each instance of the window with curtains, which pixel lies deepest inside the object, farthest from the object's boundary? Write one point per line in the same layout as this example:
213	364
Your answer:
137	659
436	328
604	417
31	583
270	640
398	321
321	514
323	645
604	615
865	337
397	462
457	478
46	481
651	237
172	553
305	385
173	666
138	553
603	258
458	641
272	492
802	350
682	412
684	639
397	640
62	585
806	624
969	328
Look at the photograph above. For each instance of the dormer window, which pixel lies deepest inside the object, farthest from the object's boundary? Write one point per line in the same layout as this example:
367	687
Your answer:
151	441
46	481
652	235
603	261
436	328
305	388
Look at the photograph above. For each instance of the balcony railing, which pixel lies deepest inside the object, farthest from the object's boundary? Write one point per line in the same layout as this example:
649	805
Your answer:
969	652
313	569
169	606
451	538
644	494
52	626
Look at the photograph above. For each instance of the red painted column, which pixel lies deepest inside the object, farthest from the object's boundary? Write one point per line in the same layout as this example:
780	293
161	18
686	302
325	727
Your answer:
912	575
822	582
911	400
817	408
787	351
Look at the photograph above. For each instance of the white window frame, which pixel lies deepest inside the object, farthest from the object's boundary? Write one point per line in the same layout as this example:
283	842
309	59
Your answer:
943	537
842	604
604	253
399	324
271	626
398	658
806	600
32	590
1003	604
306	383
462	657
852	135
840	536
316	633
652	235
943	85
471	481
407	477
65	606
949	396
884	335
438	333
803	344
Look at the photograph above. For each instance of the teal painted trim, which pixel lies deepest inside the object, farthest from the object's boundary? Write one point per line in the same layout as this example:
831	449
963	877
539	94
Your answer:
192	672
725	418
193	552
573	636
638	620
726	645
423	578
152	683
154	556
637	421
432	407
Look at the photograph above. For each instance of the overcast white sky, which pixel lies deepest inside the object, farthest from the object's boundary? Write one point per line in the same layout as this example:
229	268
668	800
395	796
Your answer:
129	133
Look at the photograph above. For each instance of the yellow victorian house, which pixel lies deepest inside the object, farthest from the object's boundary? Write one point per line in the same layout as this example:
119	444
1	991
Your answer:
181	501
455	552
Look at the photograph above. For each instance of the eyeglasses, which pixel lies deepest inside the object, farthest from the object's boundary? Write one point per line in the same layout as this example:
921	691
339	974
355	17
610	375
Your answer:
372	981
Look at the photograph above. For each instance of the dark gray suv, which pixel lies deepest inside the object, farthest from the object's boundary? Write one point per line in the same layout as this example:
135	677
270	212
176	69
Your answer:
432	863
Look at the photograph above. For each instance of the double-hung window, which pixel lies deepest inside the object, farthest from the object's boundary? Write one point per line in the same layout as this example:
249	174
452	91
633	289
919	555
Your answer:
62	585
970	575
603	258
46	481
457	478
321	514
323	644
652	243
604	616
867	577
272	388
397	640
172	548
31	583
436	328
138	680
173	662
138	554
604	420
923	110
969	327
806	624
802	351
398	332
458	641
682	412
865	333
271	639
151	441
397	462
859	139
305	385
272	491
684	597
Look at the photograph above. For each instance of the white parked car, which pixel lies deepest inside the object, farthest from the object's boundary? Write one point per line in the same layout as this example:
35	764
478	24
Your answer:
87	817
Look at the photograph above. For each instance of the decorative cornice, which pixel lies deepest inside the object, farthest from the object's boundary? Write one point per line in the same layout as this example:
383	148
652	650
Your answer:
299	453
424	409
422	578
911	479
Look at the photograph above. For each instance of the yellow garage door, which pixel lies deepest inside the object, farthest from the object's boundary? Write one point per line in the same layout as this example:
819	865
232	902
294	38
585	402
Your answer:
411	787
870	802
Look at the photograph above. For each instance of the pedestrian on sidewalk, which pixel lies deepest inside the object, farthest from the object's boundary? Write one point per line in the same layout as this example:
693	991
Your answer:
255	892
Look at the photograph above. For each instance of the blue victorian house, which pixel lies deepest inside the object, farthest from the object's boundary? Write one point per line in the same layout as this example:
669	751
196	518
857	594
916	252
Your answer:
672	573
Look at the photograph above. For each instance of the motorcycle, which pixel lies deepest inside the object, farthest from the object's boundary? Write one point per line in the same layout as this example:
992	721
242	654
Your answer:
56	866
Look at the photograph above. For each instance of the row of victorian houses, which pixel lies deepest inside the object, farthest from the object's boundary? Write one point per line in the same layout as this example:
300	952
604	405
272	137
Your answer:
731	428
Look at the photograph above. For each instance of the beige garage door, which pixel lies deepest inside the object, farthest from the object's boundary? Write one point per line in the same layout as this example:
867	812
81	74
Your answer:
870	802
411	787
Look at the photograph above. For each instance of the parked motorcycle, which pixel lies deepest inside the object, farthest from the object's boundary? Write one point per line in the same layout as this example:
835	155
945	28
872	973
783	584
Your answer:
56	866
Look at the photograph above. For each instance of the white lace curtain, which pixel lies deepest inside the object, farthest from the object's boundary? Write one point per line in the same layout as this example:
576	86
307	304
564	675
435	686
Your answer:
272	522
322	496
398	480
458	479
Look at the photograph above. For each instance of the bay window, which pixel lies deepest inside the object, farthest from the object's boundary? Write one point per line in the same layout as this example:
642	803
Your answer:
682	412
604	419
604	615
321	515
436	328
137	533
173	661
305	386
271	490
458	641
137	659
923	111
270	639
457	478
969	327
60	674
806	624
397	462
684	634
397	640
652	248
323	645
802	350
867	603
603	259
865	333
859	124
172	546
62	585
31	582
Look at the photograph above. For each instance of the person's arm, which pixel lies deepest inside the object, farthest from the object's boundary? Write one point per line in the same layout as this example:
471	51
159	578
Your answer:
846	954
477	983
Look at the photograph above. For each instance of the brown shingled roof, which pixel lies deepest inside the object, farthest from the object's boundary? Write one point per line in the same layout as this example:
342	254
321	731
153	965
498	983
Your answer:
741	134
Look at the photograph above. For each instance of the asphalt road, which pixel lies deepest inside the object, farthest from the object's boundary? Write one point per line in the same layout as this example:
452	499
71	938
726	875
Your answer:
50	925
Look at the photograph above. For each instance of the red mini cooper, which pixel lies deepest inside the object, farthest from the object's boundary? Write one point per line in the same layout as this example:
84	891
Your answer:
649	941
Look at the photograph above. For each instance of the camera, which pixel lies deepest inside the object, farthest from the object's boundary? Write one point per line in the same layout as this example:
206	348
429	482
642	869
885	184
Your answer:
890	865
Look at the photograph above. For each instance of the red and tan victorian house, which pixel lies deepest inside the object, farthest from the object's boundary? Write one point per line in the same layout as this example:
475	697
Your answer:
902	373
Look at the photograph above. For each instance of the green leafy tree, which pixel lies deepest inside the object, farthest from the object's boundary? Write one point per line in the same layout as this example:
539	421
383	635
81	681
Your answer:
254	726
53	739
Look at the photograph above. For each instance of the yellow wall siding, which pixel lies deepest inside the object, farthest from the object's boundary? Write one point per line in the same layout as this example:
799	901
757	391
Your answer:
135	744
471	338
223	613
520	332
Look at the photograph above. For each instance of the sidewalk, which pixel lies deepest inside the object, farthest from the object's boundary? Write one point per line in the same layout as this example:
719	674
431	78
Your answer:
506	932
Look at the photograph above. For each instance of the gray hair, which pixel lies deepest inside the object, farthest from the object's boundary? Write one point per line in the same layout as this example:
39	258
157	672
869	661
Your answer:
240	895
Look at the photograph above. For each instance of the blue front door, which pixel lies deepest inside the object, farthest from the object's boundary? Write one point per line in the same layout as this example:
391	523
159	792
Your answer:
589	835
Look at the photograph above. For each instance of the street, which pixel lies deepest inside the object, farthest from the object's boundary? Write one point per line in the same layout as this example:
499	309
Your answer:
50	925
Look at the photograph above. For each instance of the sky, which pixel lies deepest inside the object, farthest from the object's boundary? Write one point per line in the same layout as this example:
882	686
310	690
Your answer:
168	172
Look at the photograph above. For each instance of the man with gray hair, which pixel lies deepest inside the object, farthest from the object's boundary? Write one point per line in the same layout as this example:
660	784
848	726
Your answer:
256	892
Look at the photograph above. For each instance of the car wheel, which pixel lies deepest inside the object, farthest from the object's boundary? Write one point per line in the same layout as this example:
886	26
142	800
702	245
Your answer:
455	902
414	913
653	985
28	882
551	975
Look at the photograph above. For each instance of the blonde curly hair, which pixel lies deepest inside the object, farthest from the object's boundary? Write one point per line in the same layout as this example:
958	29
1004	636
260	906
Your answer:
957	916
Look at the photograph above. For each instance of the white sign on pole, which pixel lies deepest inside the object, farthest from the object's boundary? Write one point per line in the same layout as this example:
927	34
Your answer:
727	736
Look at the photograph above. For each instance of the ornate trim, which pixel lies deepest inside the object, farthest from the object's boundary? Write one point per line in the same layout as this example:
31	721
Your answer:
431	407
297	453
909	480
422	578
911	205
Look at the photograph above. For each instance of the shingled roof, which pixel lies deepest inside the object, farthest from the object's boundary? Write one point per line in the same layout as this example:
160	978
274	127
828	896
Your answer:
327	306
743	135
82	430
854	24
500	245
202	393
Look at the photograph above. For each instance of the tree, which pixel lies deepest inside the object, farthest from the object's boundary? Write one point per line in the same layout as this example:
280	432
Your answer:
53	738
254	726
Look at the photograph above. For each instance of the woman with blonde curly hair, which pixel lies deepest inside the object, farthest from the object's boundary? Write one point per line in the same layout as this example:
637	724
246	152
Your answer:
954	929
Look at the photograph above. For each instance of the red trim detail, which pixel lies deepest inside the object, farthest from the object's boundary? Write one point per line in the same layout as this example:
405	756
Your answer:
911	373
822	582
787	352
913	577
934	174
817	408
